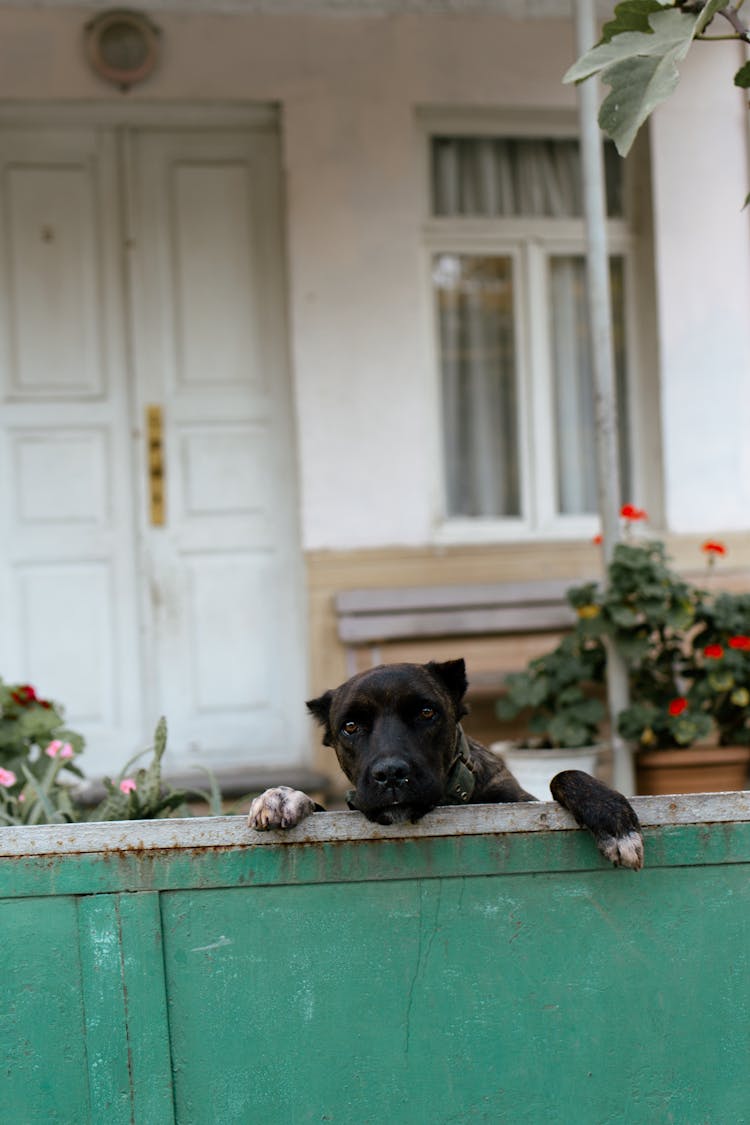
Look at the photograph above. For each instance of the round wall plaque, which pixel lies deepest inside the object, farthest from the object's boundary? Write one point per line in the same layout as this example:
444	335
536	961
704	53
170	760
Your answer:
122	46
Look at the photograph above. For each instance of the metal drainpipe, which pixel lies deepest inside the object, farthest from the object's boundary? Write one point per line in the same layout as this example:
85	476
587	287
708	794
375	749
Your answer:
605	405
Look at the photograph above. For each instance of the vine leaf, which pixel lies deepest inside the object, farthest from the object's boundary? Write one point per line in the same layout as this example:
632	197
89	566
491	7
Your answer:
630	15
742	77
638	58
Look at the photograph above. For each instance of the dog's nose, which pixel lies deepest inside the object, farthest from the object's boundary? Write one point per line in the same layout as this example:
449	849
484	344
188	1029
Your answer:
390	772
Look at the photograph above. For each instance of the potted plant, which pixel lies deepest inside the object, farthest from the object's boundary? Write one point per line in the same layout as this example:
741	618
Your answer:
558	698
40	775
689	685
687	651
721	673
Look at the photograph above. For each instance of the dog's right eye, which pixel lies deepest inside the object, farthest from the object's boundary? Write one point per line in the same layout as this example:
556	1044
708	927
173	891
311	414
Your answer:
350	728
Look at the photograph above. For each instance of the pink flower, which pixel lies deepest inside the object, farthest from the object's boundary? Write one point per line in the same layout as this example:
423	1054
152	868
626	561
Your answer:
53	748
7	778
66	750
21	797
713	652
127	785
677	706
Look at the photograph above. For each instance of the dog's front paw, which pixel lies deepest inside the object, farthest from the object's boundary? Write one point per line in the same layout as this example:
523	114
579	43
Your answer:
281	807
623	851
609	817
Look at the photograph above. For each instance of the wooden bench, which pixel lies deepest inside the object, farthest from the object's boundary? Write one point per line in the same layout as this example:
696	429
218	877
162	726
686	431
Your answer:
497	628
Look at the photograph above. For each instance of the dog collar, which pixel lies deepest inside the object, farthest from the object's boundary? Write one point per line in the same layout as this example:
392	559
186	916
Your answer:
459	785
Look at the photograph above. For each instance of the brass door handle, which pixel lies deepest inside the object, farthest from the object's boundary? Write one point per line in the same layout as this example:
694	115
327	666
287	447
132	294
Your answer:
156	484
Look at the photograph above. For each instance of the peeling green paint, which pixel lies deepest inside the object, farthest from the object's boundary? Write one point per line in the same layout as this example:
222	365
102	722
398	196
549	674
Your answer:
490	976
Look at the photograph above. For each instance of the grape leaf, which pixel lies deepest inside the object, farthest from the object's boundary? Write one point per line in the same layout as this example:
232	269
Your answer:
641	70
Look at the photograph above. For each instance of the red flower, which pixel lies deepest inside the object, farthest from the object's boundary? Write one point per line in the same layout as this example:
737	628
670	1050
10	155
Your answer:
711	547
597	540
630	512
24	696
740	642
713	652
677	706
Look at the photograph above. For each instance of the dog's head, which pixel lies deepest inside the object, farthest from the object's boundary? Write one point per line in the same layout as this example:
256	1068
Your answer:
395	730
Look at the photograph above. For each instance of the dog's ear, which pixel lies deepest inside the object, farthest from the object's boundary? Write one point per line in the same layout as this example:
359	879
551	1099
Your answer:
452	675
320	709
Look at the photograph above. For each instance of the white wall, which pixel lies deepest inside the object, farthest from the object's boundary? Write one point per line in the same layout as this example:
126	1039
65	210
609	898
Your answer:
349	88
700	173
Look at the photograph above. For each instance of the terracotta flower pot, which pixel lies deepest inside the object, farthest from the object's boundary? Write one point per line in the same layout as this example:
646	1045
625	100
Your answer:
697	769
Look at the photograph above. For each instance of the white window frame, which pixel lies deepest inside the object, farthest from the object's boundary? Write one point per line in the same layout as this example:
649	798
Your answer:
530	242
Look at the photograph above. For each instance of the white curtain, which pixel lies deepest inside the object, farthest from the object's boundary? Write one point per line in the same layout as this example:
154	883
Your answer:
573	386
516	177
575	434
477	345
502	177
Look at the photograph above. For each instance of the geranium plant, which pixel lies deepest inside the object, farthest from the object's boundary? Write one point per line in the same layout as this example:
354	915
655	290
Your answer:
39	770
687	651
664	725
555	693
651	615
141	794
37	758
720	671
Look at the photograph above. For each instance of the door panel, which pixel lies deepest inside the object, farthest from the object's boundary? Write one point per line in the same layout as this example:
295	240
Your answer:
53	275
199	618
67	578
208	337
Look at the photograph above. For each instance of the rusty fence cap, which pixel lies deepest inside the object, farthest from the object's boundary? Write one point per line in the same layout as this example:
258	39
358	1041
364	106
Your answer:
232	831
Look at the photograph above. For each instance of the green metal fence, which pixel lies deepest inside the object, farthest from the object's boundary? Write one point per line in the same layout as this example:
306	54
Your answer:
485	965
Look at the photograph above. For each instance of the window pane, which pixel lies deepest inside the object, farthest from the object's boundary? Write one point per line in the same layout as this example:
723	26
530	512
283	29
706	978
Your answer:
527	176
573	382
475	310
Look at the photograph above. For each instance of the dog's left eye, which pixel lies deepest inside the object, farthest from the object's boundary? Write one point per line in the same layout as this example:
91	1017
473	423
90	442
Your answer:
350	728
427	713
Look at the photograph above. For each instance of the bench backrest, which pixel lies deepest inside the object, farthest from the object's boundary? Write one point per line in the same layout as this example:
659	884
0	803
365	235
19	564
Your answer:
370	616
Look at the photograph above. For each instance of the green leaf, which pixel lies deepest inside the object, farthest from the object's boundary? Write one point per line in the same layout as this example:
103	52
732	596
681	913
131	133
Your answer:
640	67
680	617
742	78
637	87
623	616
721	681
671	31
42	797
538	691
506	709
213	799
631	15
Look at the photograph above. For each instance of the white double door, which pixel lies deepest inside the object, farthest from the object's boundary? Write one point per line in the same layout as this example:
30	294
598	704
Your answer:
142	268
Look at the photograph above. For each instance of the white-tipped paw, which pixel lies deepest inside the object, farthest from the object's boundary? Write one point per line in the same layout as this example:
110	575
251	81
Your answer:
281	807
623	851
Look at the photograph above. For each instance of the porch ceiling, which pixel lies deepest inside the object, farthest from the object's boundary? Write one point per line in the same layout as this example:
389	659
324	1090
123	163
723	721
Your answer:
516	9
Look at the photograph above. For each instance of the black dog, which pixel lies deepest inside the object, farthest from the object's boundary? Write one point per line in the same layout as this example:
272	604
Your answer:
397	735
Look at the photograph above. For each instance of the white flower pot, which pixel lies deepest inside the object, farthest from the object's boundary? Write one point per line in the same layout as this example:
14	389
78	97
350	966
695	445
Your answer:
534	769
